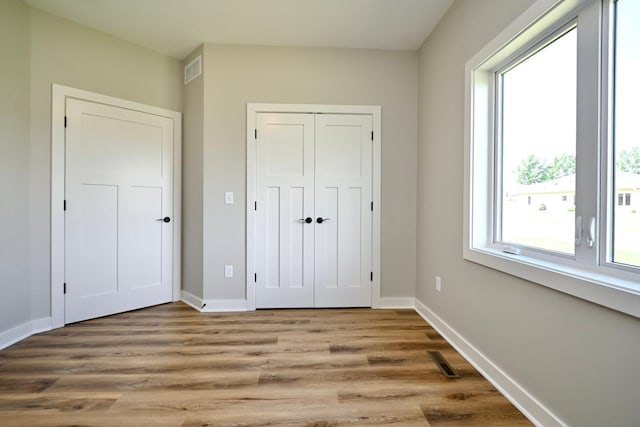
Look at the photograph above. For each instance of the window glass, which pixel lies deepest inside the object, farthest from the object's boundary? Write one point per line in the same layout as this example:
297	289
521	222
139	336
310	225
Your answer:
538	148
626	217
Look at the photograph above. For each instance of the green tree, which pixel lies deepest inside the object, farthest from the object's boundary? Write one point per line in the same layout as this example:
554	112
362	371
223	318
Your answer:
532	170
562	165
629	160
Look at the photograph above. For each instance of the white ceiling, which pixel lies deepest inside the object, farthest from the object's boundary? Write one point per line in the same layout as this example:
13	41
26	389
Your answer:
176	27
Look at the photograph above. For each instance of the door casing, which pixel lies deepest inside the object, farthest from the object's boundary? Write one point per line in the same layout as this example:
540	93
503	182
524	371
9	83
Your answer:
252	110
59	95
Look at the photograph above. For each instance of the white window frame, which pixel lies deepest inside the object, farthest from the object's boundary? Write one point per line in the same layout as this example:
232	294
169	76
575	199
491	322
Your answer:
580	275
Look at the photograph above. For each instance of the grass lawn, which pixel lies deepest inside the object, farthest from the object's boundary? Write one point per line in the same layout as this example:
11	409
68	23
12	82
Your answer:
553	229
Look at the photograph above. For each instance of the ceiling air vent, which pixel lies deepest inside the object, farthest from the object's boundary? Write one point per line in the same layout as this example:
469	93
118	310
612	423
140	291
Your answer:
193	69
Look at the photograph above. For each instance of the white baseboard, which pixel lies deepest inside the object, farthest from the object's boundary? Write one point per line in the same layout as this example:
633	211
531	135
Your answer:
213	305
15	334
222	305
391	302
41	325
533	409
191	300
25	330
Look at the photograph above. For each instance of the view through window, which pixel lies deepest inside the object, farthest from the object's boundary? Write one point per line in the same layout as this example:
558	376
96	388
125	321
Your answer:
538	148
626	209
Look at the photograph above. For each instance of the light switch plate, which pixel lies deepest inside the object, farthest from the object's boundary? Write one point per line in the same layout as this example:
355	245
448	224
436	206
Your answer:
228	198
228	271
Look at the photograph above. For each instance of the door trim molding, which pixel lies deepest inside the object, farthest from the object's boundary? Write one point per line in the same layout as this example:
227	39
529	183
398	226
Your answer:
252	110
59	95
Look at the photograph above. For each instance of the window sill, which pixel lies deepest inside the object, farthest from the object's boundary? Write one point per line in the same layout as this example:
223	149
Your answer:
608	291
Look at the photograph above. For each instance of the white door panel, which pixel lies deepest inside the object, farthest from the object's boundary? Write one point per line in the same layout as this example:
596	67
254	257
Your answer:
343	194
118	186
97	238
284	271
141	261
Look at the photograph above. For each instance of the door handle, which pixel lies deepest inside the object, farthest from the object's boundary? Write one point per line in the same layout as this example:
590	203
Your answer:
165	219
320	220
578	233
308	220
591	232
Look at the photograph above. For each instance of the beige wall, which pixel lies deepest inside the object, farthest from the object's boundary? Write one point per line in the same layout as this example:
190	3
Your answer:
577	358
192	182
236	75
15	307
72	55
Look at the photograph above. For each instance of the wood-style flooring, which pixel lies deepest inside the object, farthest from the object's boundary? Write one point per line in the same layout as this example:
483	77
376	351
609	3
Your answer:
173	366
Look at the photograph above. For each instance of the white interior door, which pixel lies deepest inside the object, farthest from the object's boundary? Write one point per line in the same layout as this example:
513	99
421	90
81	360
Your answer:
343	190
284	270
313	219
118	192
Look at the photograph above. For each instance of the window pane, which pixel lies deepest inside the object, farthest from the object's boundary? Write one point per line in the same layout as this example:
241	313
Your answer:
539	148
626	218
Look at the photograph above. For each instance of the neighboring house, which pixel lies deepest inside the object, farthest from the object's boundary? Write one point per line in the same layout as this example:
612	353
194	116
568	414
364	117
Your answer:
554	194
560	193
628	190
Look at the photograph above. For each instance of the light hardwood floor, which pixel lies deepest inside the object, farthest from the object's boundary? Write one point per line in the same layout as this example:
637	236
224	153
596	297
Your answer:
172	366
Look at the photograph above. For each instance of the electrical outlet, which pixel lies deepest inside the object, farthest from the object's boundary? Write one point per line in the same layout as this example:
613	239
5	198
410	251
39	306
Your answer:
228	271
438	284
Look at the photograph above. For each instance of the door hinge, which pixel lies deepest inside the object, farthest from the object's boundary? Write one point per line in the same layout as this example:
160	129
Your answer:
255	133
371	206
372	135
255	206
64	205
64	288
65	121
255	277
372	276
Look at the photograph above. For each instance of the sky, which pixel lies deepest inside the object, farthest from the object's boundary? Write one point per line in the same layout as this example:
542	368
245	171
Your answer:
540	95
628	75
539	98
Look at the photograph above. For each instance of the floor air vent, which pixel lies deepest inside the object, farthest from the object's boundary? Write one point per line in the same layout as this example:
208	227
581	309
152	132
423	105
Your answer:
447	370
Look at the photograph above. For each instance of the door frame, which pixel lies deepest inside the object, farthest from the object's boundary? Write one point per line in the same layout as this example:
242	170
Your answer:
254	108
59	96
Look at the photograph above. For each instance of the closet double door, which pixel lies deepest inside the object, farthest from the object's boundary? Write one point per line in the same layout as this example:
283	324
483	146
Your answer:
313	210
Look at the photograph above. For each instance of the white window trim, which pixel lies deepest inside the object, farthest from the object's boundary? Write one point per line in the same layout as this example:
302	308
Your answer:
594	286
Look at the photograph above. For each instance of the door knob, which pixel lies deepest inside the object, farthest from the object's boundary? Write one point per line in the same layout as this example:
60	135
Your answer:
320	220
308	220
165	219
